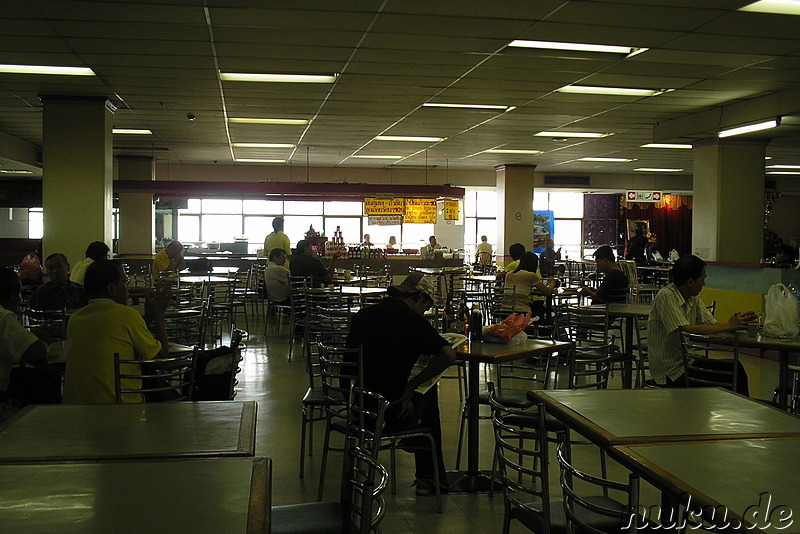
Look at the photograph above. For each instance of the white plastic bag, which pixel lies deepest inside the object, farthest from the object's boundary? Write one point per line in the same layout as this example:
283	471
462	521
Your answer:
673	255
781	312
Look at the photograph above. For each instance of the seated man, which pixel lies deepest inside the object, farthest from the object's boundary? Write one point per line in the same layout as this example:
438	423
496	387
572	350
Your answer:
614	287
107	326
677	308
60	292
393	334
96	251
168	260
428	252
305	263
17	345
483	252
276	277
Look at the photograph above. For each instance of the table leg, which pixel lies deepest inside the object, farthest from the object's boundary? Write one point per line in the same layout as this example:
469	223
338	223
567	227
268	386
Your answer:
627	365
472	480
783	380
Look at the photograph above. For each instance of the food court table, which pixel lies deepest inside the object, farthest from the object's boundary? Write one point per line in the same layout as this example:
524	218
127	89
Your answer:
231	495
630	313
475	353
149	430
785	347
635	416
736	477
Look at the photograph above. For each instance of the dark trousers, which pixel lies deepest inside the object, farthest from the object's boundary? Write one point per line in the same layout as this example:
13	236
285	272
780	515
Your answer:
742	386
426	414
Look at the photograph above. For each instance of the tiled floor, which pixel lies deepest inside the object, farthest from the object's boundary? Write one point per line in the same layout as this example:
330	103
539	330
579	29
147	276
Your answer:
278	386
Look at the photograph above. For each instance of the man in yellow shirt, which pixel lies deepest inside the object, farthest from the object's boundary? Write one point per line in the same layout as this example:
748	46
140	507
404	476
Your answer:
167	260
108	326
277	239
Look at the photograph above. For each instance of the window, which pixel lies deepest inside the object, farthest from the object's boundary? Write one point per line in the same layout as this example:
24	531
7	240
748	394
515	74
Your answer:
35	223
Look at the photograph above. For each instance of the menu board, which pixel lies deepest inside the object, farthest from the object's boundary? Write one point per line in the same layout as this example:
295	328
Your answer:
451	210
421	210
384	206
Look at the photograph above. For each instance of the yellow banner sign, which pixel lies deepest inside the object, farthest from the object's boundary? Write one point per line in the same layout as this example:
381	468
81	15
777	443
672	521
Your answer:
420	210
384	206
451	210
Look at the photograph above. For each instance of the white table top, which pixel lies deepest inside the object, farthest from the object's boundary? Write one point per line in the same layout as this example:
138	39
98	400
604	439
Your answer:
630	416
200	496
740	475
149	430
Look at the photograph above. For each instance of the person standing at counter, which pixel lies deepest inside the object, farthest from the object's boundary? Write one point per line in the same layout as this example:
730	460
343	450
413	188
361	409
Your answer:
677	308
277	239
428	251
392	242
367	242
305	263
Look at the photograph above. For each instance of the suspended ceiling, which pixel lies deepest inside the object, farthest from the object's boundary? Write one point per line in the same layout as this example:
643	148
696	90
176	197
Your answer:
159	62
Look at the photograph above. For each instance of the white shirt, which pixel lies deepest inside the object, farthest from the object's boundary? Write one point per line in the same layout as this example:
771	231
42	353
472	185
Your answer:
14	341
276	279
670	312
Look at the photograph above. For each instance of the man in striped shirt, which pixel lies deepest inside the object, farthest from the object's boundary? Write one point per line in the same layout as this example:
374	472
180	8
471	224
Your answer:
677	308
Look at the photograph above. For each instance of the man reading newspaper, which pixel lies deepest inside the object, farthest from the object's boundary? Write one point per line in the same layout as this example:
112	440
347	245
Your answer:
394	334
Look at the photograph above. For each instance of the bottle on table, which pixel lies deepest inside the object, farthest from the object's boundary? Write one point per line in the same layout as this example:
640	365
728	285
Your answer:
476	323
448	314
462	321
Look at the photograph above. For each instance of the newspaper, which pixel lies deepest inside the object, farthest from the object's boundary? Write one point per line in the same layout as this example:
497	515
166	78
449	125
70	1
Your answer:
424	359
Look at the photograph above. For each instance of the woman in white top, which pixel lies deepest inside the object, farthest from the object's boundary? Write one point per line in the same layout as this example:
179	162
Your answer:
523	280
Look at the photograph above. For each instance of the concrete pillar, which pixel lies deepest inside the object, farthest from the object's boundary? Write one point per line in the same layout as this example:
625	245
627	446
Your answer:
136	210
514	207
77	170
728	213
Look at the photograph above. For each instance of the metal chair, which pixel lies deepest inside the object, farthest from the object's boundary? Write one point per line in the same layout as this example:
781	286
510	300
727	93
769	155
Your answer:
156	380
590	351
593	513
215	370
298	286
702	371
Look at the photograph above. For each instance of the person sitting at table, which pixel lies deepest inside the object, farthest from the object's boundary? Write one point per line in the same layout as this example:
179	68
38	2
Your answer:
515	251
59	292
393	335
17	344
276	277
96	251
391	245
614	287
305	263
548	258
168	260
678	308
483	252
108	326
523	280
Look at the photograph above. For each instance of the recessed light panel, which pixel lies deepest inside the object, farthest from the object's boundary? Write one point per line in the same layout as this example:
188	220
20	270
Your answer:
377	157
131	131
262	145
655	169
766	125
614	91
667	145
571	134
607	160
253	120
777	7
251	160
576	47
467	106
511	151
46	69
410	138
277	78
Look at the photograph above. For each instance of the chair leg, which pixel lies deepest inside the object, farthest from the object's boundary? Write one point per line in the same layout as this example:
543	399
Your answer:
325	447
303	440
393	466
436	480
461	430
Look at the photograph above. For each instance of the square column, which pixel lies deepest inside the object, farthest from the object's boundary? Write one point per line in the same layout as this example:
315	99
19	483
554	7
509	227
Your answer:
728	214
76	185
136	210
514	207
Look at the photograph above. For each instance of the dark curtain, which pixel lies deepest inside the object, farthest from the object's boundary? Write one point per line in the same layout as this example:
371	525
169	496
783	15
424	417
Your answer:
673	227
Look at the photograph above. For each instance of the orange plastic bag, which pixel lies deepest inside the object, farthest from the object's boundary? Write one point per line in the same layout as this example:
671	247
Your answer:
511	326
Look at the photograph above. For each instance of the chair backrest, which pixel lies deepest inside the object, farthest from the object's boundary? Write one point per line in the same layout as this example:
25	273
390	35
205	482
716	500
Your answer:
339	371
363	482
523	463
590	345
587	507
485	258
702	371
157	380
630	271
216	370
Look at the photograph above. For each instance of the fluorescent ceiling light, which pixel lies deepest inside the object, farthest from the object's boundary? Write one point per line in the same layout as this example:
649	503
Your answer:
778	7
15	171
783	166
45	69
766	125
408	138
378	157
131	131
667	145
263	145
277	78
467	106
251	160
655	169
511	151
607	160
770	172
571	134
617	91
578	47
250	120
